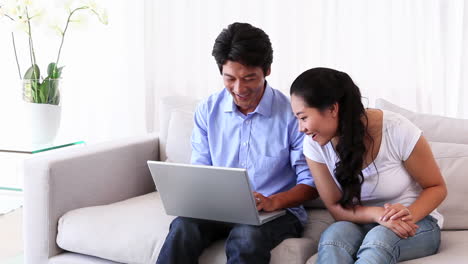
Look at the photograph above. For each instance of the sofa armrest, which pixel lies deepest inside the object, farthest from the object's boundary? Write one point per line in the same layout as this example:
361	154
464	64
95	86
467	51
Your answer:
59	181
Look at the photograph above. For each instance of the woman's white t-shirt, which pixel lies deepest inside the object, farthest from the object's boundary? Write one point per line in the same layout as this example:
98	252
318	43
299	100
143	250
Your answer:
386	180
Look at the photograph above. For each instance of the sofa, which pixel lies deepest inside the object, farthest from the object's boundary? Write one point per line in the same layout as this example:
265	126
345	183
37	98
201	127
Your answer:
98	203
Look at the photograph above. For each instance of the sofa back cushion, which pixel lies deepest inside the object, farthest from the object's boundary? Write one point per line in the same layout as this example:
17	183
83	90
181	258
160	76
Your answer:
435	128
178	146
167	107
453	163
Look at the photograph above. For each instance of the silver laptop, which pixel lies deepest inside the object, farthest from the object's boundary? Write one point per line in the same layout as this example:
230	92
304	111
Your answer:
207	192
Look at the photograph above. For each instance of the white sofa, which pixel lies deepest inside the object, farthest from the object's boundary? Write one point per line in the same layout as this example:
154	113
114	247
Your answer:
97	204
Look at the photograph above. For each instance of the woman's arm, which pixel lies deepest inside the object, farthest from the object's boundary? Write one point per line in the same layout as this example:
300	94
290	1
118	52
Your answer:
331	194
422	166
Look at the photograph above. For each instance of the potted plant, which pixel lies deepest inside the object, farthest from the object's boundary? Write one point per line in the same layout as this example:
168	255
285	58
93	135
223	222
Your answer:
41	89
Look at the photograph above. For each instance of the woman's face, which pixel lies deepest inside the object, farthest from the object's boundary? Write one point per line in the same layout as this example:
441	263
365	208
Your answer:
321	126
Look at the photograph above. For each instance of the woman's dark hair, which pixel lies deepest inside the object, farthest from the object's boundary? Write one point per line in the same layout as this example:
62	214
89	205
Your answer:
245	44
321	88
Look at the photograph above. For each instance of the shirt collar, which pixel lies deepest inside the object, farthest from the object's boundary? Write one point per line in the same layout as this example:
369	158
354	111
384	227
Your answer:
263	108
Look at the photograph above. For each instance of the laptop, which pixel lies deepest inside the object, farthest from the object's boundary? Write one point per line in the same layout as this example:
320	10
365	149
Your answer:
208	192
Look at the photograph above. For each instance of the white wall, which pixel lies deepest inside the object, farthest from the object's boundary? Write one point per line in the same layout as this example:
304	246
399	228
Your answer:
413	53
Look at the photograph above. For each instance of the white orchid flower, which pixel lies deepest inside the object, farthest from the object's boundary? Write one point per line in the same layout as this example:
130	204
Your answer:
102	15
24	2
2	11
55	24
91	4
79	20
21	25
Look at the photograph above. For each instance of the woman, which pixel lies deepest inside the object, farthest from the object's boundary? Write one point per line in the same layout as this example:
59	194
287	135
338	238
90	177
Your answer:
373	170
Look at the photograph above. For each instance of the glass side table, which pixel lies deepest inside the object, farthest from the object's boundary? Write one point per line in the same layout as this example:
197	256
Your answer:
12	156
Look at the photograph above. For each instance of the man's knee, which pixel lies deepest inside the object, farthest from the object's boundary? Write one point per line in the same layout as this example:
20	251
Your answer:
247	233
246	238
184	226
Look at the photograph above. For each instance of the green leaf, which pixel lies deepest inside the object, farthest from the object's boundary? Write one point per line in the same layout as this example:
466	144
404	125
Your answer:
48	92
56	99
53	71
35	88
41	93
33	73
59	72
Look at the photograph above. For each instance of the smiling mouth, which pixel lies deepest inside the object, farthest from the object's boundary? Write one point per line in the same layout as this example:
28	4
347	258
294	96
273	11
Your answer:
313	135
242	97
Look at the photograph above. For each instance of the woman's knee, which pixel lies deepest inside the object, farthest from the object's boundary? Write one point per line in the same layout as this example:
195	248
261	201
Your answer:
381	235
340	231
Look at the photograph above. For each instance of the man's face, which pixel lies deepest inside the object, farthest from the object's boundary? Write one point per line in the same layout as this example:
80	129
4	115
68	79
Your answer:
245	84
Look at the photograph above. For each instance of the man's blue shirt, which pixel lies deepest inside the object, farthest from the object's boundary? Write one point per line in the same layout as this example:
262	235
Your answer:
266	142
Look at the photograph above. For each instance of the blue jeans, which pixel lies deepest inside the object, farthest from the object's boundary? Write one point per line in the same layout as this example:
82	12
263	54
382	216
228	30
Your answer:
347	242
188	237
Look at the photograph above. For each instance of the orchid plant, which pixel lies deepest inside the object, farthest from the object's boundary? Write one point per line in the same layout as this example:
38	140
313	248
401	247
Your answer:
23	14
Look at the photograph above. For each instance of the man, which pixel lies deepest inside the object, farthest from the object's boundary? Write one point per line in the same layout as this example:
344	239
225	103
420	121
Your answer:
246	125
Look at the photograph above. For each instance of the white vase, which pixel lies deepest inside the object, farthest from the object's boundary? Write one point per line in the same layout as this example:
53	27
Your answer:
44	122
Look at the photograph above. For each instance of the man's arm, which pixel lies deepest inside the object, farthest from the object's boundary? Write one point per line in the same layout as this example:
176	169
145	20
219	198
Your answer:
199	140
291	198
305	187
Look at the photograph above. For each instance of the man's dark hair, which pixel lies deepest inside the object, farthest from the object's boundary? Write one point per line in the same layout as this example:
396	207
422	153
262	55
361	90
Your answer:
245	44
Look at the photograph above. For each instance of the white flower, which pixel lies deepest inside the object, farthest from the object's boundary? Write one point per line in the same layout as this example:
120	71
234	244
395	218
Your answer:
21	25
24	2
102	15
91	4
79	20
55	24
12	9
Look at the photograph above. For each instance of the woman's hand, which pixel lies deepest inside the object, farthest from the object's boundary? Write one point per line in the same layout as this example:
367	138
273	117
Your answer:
396	211
398	218
403	229
264	203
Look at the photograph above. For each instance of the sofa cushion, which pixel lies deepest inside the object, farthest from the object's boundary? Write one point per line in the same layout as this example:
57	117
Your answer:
435	128
453	163
178	146
452	249
131	231
292	250
74	258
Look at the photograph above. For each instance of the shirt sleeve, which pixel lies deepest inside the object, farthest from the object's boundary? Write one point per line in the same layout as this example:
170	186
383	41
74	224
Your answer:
312	150
200	145
405	137
298	161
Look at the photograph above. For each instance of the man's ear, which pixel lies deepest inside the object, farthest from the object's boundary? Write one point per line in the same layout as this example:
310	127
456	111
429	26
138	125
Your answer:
268	72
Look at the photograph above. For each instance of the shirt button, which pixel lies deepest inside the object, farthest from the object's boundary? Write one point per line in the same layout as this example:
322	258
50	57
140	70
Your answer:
248	121
245	143
243	164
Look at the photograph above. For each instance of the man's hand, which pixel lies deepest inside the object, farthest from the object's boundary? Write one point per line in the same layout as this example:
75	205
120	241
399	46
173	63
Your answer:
265	203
